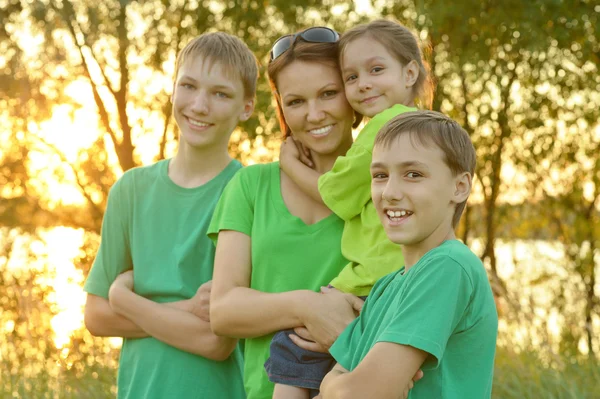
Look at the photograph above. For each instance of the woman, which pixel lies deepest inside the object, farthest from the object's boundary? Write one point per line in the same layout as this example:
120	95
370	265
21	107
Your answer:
276	245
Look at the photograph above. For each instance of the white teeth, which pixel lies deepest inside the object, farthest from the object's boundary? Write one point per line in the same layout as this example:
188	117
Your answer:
199	124
396	214
321	130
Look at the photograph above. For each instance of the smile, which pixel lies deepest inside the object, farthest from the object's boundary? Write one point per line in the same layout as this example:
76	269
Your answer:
370	100
198	123
322	131
397	216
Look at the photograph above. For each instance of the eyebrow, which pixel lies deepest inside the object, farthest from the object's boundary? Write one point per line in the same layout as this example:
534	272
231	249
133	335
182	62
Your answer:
217	86
328	86
406	164
367	61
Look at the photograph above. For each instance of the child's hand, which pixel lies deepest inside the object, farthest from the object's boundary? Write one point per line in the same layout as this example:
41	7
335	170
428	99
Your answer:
305	156
305	340
201	301
288	154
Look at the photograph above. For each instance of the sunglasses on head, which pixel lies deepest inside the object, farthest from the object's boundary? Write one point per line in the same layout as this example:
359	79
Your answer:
318	34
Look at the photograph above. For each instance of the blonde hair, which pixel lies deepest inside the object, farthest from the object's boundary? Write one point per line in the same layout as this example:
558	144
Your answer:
403	45
429	128
227	50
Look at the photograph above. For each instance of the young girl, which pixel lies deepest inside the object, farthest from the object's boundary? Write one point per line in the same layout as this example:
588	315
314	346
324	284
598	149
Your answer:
384	75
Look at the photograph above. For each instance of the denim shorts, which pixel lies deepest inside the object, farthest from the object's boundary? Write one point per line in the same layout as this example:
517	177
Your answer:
291	365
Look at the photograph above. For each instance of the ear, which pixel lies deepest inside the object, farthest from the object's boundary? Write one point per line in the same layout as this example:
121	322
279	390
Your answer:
462	187
411	73
248	109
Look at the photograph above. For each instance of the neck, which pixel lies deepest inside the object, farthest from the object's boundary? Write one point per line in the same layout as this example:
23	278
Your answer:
192	167
414	252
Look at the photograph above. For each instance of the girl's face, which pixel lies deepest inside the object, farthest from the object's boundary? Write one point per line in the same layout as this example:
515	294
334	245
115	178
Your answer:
315	107
374	79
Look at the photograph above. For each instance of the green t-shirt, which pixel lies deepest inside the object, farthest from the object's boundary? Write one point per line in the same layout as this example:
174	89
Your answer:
287	254
346	190
159	229
444	306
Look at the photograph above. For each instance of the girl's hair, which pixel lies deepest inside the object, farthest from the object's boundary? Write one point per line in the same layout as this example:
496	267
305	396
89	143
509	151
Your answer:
403	45
323	53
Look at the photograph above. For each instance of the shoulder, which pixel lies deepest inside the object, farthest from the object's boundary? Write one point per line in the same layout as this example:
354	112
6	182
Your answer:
453	256
368	133
257	172
133	177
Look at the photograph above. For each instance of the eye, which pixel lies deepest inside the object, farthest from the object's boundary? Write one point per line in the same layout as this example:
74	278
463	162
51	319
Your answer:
376	69
291	103
329	93
187	86
379	175
220	94
350	78
413	175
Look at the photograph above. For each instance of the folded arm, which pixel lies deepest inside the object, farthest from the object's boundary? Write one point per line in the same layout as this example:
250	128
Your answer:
387	372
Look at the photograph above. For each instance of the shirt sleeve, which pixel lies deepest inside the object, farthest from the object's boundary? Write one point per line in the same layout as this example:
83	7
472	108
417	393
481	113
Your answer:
433	304
346	188
235	209
114	253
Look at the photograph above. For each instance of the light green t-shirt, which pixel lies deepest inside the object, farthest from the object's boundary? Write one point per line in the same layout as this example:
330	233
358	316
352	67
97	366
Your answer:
287	254
159	229
444	306
346	190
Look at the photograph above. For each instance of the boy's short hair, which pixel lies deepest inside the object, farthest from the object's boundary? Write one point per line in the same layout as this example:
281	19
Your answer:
433	128
229	51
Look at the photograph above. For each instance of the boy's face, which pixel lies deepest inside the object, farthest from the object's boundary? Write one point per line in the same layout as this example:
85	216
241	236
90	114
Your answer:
208	103
374	79
415	193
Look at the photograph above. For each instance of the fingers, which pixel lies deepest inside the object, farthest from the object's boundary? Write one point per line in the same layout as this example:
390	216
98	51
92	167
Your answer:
307	345
418	375
356	302
303	332
304	153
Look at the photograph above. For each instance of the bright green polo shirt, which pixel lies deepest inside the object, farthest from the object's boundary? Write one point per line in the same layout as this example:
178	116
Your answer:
159	229
444	306
287	254
346	190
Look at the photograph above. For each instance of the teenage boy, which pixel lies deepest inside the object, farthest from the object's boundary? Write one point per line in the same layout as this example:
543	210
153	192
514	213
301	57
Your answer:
437	313
154	253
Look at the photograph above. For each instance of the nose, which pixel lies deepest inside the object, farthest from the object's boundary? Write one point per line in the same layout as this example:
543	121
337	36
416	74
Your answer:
392	192
364	84
200	103
315	112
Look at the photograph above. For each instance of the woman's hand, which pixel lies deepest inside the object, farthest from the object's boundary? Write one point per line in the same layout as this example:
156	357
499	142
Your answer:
326	316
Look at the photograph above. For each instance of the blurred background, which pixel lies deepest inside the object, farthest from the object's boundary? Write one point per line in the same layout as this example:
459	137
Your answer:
84	96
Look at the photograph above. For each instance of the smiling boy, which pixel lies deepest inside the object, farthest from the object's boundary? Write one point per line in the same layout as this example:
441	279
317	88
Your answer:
437	313
154	253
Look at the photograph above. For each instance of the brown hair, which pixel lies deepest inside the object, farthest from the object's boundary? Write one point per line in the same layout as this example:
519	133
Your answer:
433	128
229	51
324	53
403	45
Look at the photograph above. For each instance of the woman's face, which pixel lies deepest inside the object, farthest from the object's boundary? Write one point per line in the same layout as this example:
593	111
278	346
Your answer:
315	106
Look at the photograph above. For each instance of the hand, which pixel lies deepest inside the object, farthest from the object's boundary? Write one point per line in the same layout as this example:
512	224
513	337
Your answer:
125	280
305	155
200	302
288	154
358	305
328	315
305	340
410	386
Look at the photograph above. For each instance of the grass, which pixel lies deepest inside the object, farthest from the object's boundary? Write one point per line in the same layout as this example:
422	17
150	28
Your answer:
519	376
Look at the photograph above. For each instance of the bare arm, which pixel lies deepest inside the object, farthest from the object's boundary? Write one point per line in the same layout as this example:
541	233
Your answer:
239	311
387	371
176	327
102	321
